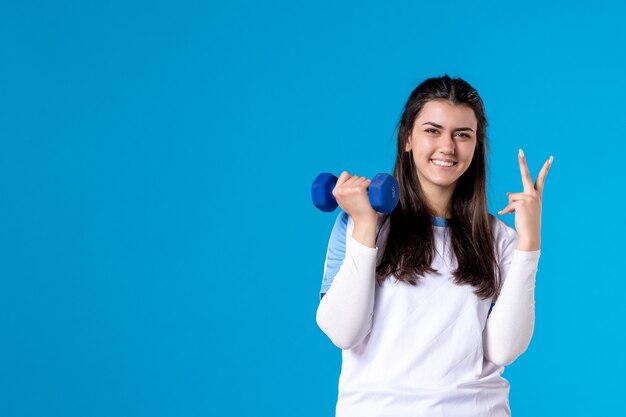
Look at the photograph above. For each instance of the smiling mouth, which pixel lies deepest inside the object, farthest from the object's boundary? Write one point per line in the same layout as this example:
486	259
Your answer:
444	164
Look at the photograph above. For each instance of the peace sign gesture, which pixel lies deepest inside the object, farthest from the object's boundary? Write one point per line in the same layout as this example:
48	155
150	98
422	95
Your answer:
527	206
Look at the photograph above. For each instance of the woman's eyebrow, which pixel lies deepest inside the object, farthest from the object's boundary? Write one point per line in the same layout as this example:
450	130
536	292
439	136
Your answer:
441	127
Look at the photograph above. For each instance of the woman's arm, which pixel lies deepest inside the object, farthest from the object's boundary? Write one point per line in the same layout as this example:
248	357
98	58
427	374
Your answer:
345	311
510	325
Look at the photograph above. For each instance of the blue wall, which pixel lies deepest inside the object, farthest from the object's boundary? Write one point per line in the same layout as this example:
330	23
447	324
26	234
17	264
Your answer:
159	253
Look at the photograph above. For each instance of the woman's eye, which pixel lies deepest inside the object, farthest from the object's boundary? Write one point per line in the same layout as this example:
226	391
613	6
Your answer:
465	135
431	130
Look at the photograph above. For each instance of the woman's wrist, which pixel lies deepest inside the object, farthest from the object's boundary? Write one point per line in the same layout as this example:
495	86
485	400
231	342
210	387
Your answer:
528	245
365	232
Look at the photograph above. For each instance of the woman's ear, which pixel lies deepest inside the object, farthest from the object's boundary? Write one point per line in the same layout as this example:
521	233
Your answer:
407	146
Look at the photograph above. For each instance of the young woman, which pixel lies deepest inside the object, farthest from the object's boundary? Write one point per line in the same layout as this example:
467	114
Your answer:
430	302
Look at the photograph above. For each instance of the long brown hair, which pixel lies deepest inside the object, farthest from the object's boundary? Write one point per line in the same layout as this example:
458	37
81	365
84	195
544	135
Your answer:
410	248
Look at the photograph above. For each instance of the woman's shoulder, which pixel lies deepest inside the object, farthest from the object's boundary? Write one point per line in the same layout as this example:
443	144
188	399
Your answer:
502	232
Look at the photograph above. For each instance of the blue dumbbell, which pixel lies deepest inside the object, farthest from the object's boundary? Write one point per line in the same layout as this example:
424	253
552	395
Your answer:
383	192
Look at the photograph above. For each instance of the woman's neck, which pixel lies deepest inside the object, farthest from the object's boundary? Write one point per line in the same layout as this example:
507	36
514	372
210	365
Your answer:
439	200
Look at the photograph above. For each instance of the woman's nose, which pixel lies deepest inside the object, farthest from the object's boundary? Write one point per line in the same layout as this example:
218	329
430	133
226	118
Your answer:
446	145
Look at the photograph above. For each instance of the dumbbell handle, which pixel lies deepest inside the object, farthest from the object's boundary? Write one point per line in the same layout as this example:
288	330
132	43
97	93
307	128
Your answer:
383	192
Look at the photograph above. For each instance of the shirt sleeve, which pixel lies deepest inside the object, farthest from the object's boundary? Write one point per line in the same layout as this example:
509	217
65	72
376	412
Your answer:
346	305
511	322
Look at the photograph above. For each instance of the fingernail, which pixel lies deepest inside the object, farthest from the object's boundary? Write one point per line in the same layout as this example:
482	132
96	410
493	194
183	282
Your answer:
521	153
551	159
500	212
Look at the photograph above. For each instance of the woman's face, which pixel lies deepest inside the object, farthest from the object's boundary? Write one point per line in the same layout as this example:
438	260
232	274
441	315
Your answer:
443	142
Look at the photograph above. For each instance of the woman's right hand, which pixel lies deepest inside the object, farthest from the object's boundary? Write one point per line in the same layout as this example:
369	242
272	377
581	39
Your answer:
352	196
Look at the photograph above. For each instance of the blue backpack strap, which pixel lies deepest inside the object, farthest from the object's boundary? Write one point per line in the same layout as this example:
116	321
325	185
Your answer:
335	253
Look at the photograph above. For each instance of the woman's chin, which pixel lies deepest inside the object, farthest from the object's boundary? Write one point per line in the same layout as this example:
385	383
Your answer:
444	182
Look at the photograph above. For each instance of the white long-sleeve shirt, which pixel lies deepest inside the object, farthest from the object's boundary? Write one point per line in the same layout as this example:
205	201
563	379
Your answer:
426	350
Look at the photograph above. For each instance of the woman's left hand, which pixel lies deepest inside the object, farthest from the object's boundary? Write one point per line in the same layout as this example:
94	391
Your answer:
527	206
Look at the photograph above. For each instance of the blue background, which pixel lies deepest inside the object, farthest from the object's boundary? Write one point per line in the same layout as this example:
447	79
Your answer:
159	253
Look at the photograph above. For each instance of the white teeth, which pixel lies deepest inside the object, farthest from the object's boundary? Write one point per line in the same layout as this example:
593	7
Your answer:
442	163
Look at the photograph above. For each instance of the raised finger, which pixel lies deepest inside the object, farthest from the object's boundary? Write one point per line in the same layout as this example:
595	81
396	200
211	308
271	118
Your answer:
523	167
541	178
